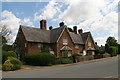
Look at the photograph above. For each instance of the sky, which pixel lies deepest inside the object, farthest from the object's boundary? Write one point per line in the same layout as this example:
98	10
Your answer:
100	17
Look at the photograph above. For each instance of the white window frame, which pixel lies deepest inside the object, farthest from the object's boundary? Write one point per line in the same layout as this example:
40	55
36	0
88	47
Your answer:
76	46
89	44
65	41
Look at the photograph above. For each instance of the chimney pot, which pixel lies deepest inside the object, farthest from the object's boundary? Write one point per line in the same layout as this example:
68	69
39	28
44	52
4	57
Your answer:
95	43
80	31
61	24
43	24
75	29
50	28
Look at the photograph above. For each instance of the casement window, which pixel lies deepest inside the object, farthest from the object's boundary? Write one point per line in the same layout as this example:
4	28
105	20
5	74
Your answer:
25	44
89	44
65	41
40	45
69	54
76	46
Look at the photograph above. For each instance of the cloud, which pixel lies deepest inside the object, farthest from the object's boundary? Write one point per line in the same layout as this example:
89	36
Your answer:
98	16
12	23
81	10
49	11
27	21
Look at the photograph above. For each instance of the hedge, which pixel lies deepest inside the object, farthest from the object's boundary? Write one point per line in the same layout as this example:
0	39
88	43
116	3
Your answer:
40	59
113	51
6	54
11	64
66	61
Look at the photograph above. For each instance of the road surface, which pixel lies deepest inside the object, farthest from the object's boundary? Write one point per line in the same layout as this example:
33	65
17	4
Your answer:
98	69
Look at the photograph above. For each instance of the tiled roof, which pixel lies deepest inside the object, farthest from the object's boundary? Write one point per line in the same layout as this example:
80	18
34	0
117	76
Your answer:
85	36
51	36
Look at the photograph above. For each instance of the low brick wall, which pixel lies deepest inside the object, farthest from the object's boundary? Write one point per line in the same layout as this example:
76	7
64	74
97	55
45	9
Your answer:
106	55
84	58
98	56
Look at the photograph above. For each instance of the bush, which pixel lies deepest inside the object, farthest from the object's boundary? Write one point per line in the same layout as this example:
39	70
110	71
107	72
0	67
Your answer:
74	56
11	64
6	54
16	63
7	66
113	51
66	61
41	59
106	55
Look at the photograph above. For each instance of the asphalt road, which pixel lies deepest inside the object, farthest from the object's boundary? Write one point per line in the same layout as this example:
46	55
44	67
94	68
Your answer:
98	69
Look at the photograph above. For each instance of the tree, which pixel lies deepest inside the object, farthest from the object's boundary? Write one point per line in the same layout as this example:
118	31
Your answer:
111	41
4	41
113	50
111	46
107	47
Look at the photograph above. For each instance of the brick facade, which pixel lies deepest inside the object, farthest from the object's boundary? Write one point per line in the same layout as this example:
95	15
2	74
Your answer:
26	46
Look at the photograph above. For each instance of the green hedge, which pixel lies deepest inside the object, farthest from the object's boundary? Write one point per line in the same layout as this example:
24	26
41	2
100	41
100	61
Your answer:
11	64
113	51
6	54
66	61
40	59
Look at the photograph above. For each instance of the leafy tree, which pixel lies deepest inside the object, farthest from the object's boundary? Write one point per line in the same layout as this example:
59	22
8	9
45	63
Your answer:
111	41
111	46
113	50
107	47
97	50
4	41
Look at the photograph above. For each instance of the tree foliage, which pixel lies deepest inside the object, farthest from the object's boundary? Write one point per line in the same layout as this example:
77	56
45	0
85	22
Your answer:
111	46
111	41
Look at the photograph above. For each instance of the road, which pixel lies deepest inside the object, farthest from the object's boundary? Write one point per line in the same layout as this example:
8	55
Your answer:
98	69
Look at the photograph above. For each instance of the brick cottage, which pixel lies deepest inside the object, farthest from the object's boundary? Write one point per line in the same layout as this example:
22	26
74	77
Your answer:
57	41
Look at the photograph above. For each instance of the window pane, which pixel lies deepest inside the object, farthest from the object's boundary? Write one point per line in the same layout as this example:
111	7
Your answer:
65	42
89	43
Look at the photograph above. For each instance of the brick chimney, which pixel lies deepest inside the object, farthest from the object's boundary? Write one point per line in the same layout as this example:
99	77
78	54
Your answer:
50	28
75	29
43	24
80	31
61	24
95	43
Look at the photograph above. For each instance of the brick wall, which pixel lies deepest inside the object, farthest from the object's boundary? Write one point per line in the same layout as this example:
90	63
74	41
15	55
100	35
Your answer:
89	40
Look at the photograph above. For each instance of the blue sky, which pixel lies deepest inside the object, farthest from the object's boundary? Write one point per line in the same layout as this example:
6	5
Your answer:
98	16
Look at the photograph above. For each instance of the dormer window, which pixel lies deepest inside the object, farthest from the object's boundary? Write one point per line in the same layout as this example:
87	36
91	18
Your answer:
89	44
76	46
65	41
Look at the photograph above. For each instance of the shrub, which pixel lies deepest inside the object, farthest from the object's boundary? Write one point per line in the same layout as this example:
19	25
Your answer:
16	63
41	59
113	51
106	55
74	56
6	54
65	61
7	66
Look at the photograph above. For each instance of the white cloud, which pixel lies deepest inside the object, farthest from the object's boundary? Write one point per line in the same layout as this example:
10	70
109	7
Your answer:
12	23
93	15
27	21
49	11
81	10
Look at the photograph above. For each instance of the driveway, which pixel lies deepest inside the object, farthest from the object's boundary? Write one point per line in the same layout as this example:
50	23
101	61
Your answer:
98	69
